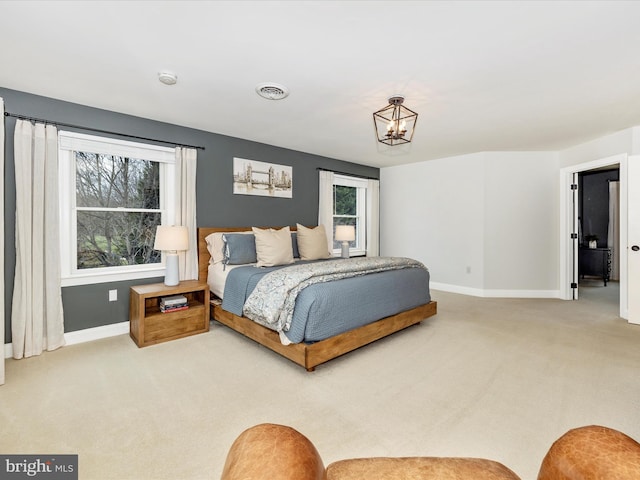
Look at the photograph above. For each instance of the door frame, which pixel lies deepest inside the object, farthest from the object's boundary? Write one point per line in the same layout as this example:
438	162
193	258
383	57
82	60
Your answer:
566	226
2	232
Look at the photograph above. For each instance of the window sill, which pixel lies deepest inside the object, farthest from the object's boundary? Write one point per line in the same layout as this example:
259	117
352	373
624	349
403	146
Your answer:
92	278
352	253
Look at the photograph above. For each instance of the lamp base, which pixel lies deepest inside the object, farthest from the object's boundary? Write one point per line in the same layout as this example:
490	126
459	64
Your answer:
345	250
172	273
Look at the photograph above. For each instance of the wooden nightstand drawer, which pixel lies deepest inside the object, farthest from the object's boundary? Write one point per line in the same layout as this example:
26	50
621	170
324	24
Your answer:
175	324
149	325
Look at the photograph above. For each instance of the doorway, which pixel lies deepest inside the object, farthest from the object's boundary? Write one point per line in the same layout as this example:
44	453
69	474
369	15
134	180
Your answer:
598	195
569	227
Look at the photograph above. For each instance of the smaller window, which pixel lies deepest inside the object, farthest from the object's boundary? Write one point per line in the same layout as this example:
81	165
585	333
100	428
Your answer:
349	208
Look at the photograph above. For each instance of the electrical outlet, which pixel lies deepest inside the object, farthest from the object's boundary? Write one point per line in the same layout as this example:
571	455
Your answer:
113	295
468	269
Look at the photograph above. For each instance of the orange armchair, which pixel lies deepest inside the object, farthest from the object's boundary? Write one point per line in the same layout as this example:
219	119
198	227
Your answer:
277	452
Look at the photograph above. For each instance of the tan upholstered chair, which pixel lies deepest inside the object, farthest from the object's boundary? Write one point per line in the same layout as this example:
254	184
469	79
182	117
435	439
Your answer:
277	452
590	453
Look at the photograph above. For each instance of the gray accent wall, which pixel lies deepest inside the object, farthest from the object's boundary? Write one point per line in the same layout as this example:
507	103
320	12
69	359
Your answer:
594	203
87	306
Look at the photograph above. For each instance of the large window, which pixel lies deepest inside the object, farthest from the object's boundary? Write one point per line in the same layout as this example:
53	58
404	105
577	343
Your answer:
113	196
349	208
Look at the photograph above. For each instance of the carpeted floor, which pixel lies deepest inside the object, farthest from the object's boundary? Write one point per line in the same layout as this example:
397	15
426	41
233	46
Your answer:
493	378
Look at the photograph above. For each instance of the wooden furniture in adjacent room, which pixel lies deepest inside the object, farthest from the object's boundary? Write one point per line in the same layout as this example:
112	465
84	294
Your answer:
595	262
308	355
149	325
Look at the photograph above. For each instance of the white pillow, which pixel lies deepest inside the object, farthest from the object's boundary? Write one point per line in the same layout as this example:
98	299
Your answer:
273	247
312	243
215	245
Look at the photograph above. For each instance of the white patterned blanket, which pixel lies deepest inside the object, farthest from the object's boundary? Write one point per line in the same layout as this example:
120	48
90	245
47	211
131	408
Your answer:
272	301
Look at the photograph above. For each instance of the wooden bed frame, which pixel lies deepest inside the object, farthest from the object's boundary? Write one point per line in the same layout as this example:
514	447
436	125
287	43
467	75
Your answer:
306	355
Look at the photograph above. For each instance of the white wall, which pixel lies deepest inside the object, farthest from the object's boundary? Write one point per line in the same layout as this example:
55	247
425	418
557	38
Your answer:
433	212
624	141
635	141
484	224
521	224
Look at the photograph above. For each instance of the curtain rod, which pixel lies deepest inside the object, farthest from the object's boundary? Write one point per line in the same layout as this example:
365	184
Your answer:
59	124
347	174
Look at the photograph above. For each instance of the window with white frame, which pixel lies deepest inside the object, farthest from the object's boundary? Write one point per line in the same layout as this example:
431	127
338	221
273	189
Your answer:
113	195
349	208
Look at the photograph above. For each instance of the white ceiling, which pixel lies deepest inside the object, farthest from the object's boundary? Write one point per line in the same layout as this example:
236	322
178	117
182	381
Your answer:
483	75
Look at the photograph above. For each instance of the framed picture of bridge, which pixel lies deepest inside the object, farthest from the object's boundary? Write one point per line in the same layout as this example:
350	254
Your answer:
251	177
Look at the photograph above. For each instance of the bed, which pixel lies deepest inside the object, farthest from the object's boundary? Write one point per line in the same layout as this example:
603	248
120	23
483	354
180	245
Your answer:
307	352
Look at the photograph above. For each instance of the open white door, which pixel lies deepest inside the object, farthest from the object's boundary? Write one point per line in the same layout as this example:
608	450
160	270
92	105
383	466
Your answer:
574	234
633	239
2	239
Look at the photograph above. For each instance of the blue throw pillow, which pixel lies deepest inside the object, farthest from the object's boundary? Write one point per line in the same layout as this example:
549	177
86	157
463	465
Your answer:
239	249
294	245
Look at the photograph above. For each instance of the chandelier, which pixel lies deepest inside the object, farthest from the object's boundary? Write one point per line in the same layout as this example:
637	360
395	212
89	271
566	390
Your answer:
395	123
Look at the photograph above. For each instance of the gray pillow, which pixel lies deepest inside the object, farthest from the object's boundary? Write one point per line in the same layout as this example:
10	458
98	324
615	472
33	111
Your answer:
294	245
239	249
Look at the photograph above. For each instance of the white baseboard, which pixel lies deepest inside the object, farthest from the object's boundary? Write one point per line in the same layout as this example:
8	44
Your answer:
89	334
86	335
478	292
522	293
445	287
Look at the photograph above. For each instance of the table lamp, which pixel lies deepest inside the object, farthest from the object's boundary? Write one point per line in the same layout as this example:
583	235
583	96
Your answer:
171	239
345	234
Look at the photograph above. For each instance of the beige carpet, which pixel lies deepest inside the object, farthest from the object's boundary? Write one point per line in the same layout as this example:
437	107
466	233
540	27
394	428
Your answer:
490	378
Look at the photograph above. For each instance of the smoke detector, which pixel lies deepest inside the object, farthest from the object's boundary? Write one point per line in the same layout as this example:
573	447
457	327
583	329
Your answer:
168	78
272	91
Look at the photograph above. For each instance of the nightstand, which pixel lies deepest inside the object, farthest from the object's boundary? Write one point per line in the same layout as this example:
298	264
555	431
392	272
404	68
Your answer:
595	261
148	325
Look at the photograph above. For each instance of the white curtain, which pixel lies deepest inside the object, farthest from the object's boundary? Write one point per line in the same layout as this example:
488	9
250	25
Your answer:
2	239
613	234
325	205
37	321
186	163
373	218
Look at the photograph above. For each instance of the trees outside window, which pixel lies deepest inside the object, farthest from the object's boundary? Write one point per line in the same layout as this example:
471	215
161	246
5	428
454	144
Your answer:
118	210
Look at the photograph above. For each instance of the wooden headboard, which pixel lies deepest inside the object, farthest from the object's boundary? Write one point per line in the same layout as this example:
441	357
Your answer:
203	252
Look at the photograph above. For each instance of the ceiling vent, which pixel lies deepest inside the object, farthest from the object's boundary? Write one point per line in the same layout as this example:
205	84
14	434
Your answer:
272	91
168	78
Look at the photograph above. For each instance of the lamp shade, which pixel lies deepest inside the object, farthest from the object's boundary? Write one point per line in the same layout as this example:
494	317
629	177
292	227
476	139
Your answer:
345	233
171	238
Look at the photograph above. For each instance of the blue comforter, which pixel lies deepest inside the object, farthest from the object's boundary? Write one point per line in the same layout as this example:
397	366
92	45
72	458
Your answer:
325	309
